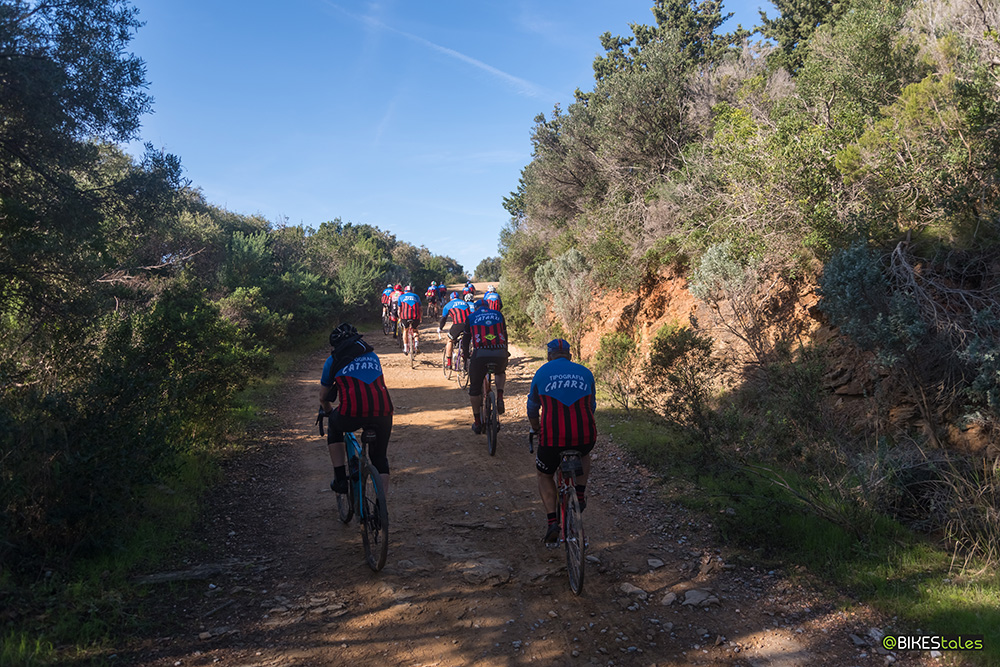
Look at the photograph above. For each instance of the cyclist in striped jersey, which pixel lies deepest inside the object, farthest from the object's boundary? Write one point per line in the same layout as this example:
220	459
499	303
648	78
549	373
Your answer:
457	311
485	332
561	404
353	374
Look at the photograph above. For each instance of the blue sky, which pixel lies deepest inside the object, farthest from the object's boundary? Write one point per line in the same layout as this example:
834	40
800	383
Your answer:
411	115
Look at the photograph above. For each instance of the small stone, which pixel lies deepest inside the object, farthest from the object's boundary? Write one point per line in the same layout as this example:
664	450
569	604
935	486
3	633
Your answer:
205	635
634	591
858	641
669	599
655	563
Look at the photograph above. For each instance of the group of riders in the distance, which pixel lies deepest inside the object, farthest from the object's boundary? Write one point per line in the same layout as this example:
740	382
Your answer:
560	405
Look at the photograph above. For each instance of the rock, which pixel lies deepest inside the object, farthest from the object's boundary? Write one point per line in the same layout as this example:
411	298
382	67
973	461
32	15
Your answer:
655	563
699	598
487	570
858	641
669	599
634	591
205	635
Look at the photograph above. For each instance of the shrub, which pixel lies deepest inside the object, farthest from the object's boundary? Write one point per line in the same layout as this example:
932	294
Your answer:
616	366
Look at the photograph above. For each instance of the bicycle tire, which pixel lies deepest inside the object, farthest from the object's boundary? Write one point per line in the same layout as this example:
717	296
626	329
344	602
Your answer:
411	341
490	422
374	518
386	325
576	543
345	504
448	370
463	373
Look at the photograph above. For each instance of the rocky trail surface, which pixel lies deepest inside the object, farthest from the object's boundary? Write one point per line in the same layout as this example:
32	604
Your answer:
279	580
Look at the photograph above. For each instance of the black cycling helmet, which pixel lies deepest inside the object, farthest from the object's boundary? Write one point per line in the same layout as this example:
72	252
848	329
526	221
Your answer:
342	333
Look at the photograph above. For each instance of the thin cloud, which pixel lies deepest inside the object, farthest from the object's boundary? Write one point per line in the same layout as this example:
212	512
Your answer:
520	85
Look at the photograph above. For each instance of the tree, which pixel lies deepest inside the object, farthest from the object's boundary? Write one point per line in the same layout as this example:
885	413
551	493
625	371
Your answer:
794	25
488	269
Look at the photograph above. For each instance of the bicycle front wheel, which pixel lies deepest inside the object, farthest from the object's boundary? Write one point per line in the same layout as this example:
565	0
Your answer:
575	543
490	422
374	518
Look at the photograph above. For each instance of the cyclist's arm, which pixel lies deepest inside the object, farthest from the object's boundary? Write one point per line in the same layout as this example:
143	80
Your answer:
466	339
534	407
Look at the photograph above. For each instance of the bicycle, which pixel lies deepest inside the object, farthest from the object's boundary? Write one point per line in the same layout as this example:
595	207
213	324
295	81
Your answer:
458	365
387	323
488	415
570	516
365	496
409	339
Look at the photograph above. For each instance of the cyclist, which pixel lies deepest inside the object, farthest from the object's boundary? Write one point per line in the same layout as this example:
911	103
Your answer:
486	332
397	292
561	405
442	293
409	317
431	295
353	374
469	290
492	299
458	310
386	299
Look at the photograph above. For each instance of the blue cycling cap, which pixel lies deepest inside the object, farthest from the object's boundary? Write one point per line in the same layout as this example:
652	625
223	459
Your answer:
558	345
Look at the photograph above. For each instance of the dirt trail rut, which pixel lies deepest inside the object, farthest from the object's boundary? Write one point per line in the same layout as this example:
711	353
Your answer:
468	580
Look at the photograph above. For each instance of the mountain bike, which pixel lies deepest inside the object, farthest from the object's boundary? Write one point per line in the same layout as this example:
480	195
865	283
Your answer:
488	415
365	497
570	516
458	365
386	322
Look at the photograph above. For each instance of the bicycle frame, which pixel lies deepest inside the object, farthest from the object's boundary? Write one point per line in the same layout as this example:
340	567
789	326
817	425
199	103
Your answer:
571	533
370	507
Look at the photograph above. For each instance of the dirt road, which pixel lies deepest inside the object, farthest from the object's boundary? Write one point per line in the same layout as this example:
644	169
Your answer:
468	580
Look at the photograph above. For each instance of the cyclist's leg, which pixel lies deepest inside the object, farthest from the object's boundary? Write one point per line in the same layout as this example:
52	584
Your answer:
338	452
477	372
377	450
546	463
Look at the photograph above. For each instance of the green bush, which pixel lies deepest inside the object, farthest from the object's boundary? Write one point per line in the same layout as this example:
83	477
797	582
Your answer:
616	366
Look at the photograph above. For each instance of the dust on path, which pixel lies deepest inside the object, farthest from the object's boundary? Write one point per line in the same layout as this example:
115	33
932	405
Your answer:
468	580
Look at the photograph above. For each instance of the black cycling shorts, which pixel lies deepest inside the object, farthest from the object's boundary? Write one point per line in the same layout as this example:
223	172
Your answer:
414	323
477	367
547	459
377	450
456	330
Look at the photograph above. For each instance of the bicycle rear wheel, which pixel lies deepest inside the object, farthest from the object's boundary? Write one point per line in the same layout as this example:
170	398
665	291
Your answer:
374	518
448	370
575	543
463	372
490	422
386	325
411	339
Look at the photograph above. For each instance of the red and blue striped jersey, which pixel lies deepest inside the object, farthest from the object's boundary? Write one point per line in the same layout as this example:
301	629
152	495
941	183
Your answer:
457	310
359	385
386	295
492	300
486	330
409	306
563	398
